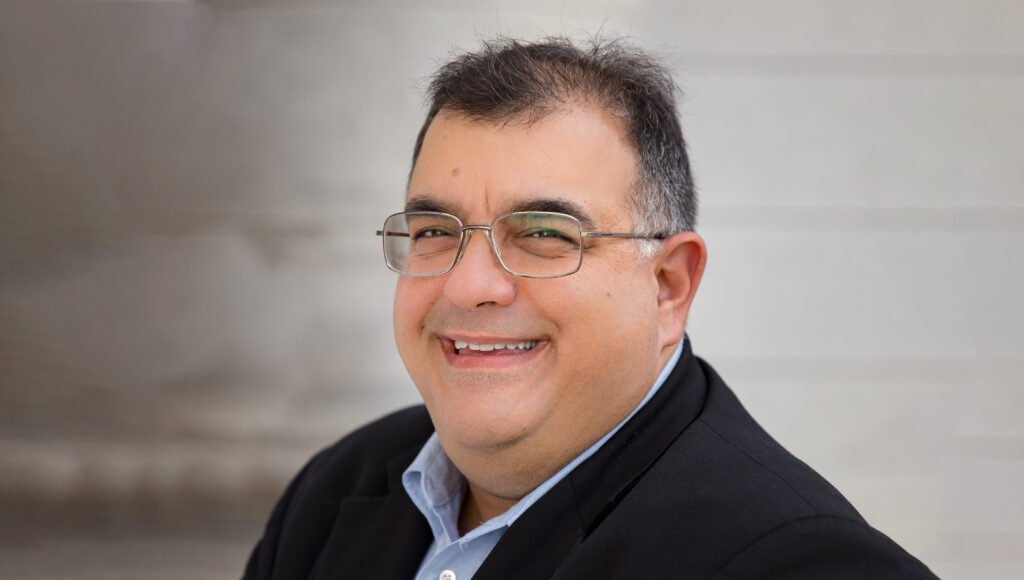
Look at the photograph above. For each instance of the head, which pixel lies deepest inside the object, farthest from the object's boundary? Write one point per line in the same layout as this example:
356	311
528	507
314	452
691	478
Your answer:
548	126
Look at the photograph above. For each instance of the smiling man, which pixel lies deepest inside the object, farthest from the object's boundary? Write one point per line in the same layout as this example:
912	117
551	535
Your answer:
547	263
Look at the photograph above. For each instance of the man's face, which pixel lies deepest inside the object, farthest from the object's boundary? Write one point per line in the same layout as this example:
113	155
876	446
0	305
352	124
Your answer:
594	334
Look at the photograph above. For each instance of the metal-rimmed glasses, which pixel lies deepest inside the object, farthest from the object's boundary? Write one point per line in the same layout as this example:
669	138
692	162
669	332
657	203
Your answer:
531	244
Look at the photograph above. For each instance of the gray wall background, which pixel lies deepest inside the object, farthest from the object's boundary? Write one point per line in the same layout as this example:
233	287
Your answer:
192	300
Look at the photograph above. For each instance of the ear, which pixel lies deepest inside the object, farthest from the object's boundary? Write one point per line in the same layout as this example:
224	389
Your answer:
679	268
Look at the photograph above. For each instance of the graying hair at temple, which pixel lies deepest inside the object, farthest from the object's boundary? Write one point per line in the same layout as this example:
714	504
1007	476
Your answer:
508	81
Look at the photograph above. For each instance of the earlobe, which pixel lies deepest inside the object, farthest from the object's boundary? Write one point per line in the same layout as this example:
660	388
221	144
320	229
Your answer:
680	266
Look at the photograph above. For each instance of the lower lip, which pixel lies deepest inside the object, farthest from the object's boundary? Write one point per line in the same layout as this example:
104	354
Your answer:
495	359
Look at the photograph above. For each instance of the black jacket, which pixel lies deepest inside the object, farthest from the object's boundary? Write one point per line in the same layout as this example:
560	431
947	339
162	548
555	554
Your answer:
690	487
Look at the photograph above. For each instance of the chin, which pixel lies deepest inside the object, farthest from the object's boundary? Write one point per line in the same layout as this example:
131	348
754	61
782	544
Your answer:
482	429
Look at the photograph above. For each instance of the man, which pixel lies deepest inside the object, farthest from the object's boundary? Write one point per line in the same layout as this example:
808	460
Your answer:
548	263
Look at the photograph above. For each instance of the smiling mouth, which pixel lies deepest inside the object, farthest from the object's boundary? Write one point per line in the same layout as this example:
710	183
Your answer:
467	348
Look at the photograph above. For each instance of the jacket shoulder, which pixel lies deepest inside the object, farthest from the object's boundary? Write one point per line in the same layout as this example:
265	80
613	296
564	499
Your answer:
743	463
725	500
824	547
357	463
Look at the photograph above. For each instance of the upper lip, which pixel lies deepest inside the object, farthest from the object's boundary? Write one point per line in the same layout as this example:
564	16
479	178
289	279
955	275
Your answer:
489	339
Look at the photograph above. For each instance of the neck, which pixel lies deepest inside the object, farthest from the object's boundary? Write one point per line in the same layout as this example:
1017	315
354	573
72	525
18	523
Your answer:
478	506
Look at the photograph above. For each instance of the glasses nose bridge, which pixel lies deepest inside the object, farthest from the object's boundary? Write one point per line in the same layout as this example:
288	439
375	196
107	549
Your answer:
465	232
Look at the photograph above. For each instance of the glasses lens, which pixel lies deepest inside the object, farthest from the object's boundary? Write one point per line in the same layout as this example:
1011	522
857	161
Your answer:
421	243
539	244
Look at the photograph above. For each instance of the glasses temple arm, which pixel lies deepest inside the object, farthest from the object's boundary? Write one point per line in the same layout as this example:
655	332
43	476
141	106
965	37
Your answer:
624	235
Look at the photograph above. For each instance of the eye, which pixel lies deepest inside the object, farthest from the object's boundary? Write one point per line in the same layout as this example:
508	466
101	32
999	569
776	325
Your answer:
431	233
545	233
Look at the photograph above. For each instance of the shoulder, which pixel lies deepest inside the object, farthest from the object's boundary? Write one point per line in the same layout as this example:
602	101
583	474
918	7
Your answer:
384	436
726	500
740	461
360	462
726	471
823	547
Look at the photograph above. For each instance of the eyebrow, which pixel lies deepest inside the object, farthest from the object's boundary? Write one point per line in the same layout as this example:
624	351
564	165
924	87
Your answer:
549	204
555	205
427	203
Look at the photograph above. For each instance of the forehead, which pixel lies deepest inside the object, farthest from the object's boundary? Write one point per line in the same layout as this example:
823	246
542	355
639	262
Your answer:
576	161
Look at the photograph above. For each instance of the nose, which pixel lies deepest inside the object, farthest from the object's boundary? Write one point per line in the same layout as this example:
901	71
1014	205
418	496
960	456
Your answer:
478	279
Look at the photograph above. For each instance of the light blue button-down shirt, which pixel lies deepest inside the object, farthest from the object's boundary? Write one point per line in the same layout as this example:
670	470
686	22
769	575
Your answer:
437	487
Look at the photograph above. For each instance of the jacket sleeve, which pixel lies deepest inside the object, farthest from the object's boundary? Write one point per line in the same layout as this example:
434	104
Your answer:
824	547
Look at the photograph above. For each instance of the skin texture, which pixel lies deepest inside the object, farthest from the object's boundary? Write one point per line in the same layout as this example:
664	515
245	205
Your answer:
509	421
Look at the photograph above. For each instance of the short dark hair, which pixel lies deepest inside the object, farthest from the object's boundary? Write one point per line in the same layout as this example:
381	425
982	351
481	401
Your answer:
512	81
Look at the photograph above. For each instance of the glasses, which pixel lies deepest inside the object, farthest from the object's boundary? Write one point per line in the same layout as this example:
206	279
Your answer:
534	244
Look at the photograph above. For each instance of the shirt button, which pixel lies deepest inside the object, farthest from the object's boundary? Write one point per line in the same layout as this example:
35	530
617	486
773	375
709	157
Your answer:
447	575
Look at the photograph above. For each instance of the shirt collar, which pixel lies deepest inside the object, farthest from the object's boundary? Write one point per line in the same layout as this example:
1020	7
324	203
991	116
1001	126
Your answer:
436	486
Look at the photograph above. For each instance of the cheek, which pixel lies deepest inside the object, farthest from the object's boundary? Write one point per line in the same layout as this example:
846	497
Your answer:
409	310
618	307
585	314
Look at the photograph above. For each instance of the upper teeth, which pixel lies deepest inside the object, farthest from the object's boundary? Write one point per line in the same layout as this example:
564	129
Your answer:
525	345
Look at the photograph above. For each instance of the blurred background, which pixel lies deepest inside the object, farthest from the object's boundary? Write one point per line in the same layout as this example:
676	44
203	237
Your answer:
192	300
